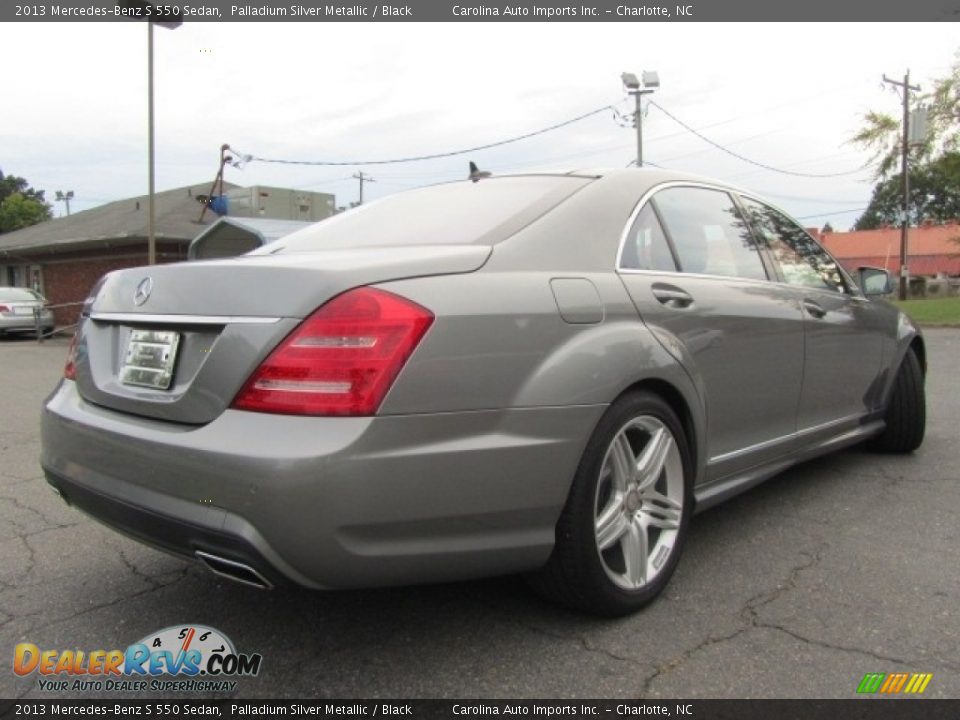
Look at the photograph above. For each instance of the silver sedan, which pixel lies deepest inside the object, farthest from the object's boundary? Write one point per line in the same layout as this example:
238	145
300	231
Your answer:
539	374
19	308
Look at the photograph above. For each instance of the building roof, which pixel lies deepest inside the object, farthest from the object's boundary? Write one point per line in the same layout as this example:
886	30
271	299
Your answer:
119	222
922	240
931	248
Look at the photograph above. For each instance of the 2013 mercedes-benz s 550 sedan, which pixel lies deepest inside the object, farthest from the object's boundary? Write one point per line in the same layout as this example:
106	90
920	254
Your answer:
543	374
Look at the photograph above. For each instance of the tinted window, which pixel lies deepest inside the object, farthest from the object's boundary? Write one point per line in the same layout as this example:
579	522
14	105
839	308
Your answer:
646	247
708	233
800	259
484	212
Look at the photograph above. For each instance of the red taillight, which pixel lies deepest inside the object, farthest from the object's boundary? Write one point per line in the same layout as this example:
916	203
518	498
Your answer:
70	369
341	360
4	308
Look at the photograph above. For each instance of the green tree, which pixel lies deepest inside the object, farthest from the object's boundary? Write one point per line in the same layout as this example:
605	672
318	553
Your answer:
20	204
19	211
934	194
882	133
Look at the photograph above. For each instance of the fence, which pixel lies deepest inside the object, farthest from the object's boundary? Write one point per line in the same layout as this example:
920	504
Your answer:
38	325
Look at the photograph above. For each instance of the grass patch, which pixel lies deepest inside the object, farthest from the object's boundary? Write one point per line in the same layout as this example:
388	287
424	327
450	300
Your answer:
936	311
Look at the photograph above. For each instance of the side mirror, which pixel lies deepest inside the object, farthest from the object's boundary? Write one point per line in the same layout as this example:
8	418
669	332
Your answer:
874	281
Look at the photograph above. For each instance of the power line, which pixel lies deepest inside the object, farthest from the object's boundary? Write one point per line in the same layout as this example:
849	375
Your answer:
434	156
766	109
746	159
836	212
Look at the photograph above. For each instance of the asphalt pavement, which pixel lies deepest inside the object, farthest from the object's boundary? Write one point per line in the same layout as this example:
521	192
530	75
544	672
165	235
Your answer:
842	566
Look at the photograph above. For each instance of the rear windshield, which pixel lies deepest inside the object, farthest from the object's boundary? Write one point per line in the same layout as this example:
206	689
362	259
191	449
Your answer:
481	213
9	294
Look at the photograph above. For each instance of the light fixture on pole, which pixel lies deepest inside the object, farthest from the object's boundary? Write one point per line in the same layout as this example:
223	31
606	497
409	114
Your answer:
644	85
65	197
143	9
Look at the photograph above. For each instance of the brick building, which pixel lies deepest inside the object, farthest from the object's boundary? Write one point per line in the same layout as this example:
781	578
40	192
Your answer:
63	258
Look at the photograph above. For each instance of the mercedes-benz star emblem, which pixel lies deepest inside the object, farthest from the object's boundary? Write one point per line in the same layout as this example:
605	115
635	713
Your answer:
143	291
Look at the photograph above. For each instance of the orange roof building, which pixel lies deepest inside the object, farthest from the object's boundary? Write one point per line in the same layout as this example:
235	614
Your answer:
932	249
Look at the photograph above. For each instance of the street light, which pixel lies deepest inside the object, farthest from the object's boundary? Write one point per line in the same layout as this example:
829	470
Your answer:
65	198
644	85
145	10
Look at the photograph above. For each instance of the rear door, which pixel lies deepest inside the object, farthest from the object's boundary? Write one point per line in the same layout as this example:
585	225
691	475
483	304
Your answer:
700	283
843	333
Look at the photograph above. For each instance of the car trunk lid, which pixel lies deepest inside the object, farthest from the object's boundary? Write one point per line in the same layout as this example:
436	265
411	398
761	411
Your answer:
177	342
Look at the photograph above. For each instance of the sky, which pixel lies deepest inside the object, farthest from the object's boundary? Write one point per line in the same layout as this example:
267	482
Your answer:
786	95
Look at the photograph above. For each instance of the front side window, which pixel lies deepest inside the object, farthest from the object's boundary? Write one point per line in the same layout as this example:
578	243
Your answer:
708	233
801	260
646	247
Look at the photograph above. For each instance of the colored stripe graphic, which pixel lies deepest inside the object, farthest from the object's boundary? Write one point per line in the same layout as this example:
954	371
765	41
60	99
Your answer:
893	683
918	683
871	682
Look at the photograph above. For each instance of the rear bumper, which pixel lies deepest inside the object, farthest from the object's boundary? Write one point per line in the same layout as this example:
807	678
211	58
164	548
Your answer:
326	502
173	534
9	321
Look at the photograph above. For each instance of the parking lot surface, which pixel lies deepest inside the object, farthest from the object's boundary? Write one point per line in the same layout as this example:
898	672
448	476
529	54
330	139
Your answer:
845	565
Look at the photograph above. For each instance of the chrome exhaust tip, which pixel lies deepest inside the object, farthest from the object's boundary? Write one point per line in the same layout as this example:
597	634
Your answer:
232	570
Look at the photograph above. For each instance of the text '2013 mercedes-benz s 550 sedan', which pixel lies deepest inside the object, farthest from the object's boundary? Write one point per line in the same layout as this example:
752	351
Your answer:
540	374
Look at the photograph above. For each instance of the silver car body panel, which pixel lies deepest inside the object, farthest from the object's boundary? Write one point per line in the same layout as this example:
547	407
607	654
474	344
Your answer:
339	502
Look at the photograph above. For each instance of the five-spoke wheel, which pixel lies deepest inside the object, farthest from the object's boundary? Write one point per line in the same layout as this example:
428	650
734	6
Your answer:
621	531
639	502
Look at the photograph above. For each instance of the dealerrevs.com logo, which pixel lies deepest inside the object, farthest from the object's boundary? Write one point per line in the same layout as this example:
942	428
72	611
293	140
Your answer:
181	658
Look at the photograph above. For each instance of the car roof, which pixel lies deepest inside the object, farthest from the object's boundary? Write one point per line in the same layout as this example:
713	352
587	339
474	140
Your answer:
653	175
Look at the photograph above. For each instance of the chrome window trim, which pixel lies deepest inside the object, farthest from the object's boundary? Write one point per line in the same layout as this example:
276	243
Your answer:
183	319
853	290
645	198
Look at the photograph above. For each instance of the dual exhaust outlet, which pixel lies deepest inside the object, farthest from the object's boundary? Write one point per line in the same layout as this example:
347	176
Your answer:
232	570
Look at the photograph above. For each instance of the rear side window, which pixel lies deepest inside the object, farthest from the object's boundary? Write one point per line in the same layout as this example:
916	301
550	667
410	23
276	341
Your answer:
708	233
482	213
646	246
800	259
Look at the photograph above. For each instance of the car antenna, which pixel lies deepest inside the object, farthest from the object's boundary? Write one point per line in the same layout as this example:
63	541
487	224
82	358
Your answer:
476	174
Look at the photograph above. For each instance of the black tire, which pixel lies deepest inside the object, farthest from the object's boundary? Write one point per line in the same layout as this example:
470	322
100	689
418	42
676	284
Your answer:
578	573
906	413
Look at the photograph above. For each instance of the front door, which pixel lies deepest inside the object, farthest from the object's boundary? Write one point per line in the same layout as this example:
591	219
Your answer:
699	282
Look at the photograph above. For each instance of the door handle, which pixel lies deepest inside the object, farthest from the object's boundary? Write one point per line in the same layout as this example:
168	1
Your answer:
672	296
814	309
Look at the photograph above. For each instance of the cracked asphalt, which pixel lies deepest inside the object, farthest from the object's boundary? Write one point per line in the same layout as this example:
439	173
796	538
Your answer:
845	565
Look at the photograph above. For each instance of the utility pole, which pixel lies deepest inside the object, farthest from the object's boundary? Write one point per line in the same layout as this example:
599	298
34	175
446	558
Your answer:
904	169
645	84
65	197
638	119
361	177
